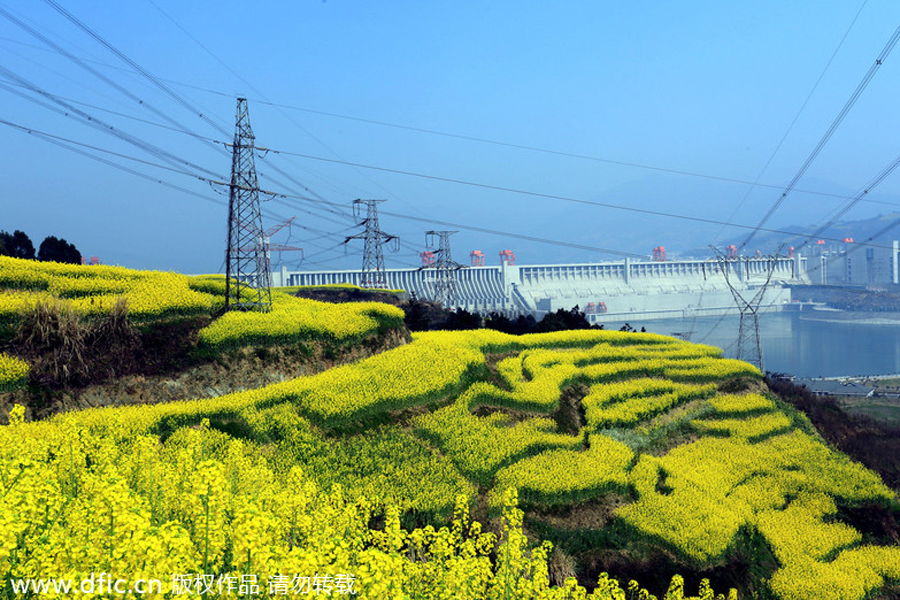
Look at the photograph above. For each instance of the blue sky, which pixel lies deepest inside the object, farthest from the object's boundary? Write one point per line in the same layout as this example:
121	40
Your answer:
709	88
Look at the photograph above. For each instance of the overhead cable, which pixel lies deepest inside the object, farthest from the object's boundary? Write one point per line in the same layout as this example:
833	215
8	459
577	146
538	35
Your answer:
879	60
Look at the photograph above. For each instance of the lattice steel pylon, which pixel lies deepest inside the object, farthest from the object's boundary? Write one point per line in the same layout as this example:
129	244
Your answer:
373	272
444	267
748	348
247	271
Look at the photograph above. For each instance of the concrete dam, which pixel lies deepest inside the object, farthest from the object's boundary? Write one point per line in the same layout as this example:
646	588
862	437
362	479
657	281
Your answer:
608	292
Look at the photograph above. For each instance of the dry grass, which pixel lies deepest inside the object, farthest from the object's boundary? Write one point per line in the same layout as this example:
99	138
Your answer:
66	349
114	343
560	567
53	338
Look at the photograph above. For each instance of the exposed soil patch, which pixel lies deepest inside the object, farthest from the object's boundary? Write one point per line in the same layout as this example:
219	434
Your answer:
65	349
743	385
626	557
570	416
163	381
599	543
889	593
593	514
491	360
877	523
515	416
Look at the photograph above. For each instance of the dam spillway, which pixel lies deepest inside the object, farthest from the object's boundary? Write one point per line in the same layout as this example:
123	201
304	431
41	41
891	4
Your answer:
608	292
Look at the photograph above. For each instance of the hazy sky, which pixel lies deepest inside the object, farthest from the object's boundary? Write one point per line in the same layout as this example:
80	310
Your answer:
641	92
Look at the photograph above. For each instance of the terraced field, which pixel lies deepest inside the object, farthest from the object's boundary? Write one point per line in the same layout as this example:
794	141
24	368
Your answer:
372	470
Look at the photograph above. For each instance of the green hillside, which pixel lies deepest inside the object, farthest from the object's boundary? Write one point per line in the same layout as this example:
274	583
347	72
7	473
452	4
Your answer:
469	464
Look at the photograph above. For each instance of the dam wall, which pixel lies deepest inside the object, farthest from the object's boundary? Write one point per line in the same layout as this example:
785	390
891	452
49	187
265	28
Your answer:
607	292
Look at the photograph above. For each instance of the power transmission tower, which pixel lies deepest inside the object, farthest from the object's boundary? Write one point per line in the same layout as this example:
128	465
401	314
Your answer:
269	247
373	272
749	348
247	276
444	267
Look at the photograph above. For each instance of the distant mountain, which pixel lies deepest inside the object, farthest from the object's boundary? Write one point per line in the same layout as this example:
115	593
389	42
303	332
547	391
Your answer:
881	229
683	214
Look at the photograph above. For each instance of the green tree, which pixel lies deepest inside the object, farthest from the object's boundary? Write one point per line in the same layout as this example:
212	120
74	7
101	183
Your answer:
16	244
58	250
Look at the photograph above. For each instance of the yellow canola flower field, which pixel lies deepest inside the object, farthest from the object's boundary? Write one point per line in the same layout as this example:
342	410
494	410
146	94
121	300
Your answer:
694	499
13	304
343	395
818	555
13	372
752	428
535	377
481	445
75	503
296	319
94	290
732	404
561	477
163	489
629	402
698	496
708	369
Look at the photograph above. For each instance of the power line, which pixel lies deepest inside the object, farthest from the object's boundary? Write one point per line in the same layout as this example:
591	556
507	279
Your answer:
71	146
65	143
357	165
147	75
161	85
70	111
854	200
829	132
529	147
289	196
74	113
81	63
881	176
754	183
287	153
49	136
799	112
541	194
181	100
472	138
81	149
252	87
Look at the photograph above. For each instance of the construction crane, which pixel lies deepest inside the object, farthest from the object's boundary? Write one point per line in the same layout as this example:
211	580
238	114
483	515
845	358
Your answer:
659	254
508	257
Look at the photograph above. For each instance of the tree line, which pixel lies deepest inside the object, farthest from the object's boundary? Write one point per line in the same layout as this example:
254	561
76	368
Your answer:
425	315
18	245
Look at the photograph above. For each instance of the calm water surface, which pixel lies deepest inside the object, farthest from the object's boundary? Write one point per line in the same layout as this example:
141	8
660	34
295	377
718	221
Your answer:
800	347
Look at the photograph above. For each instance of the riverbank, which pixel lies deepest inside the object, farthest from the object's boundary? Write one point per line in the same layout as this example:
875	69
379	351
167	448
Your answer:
833	315
849	298
882	403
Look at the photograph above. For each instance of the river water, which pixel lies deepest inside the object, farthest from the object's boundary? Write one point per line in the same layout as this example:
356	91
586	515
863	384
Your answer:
792	344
